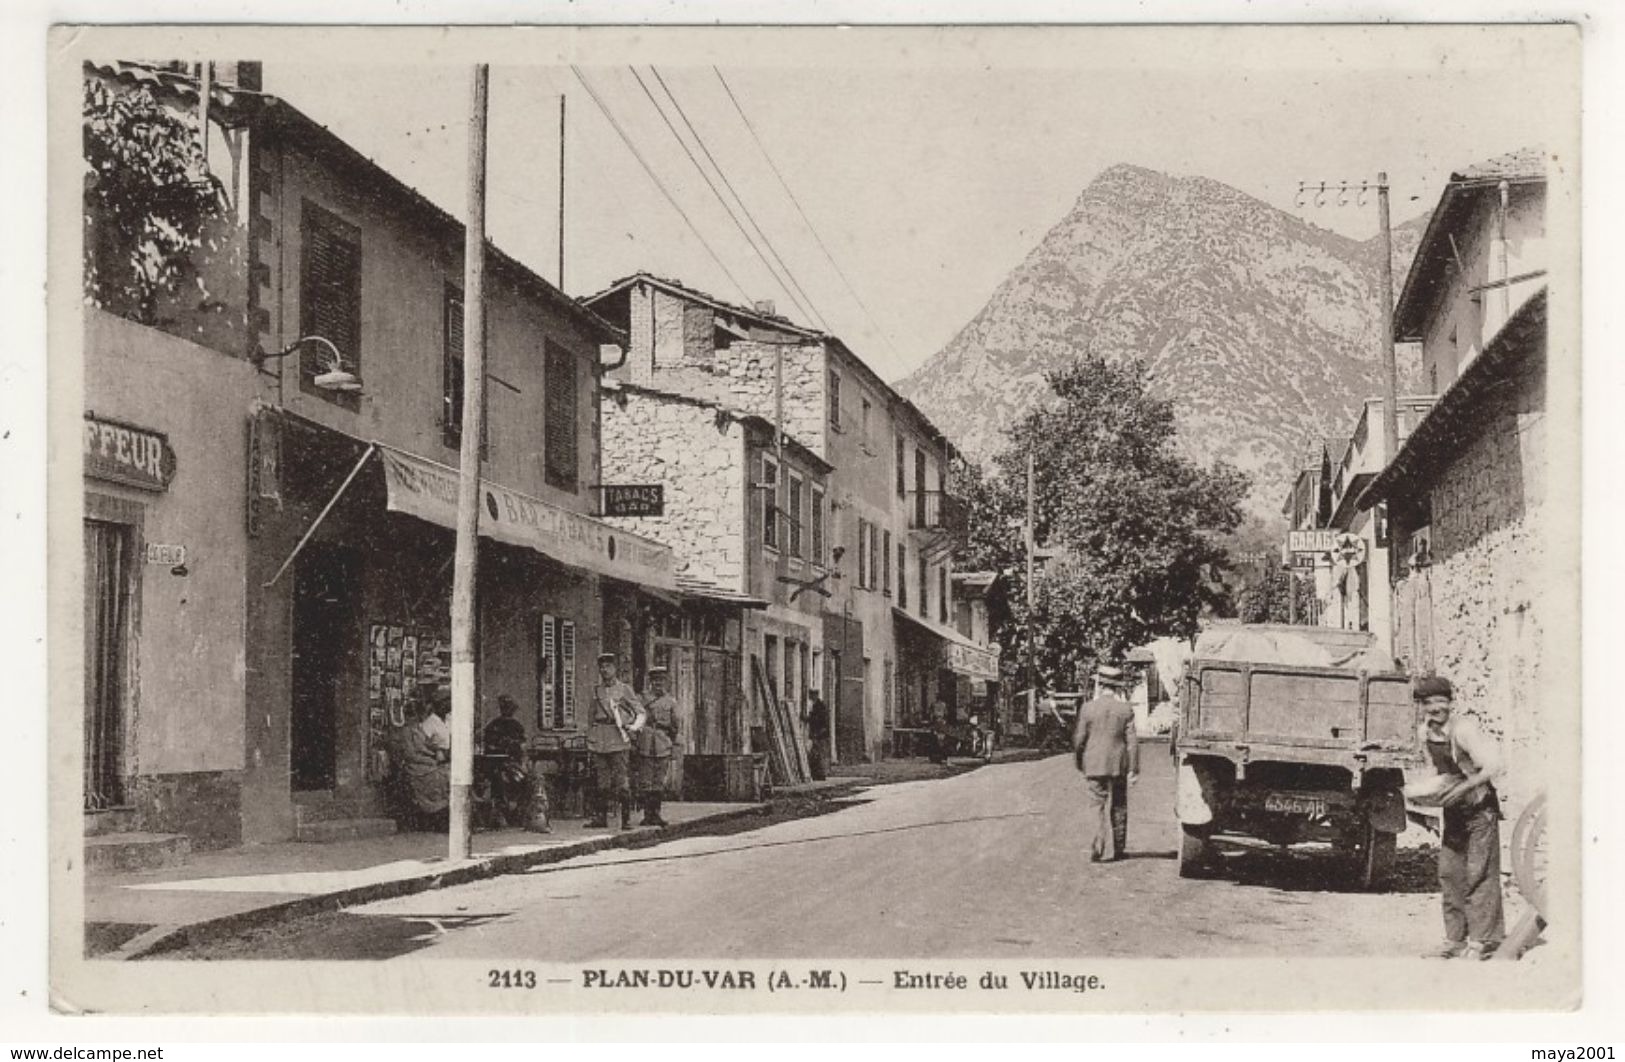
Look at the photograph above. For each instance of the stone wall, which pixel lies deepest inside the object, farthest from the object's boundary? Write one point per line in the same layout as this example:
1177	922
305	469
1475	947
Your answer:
700	460
673	348
1490	622
1494	587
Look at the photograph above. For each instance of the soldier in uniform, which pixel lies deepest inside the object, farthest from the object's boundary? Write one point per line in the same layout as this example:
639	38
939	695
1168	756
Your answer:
652	748
614	716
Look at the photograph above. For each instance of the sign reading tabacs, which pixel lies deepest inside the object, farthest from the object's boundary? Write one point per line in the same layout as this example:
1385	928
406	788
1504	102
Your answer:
123	453
634	499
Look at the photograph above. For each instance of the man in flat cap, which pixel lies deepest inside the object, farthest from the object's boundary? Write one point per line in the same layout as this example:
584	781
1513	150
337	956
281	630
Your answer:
652	748
1470	847
615	715
1105	749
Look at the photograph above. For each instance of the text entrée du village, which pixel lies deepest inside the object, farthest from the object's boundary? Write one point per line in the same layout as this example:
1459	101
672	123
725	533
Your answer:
836	980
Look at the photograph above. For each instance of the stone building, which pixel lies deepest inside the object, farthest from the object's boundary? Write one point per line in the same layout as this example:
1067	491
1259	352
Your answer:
313	432
889	514
1478	596
1358	590
750	521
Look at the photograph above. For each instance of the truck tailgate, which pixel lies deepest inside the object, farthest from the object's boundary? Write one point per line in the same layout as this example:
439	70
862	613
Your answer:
1315	707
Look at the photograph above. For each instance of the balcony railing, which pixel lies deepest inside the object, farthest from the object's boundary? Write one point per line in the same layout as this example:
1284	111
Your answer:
935	510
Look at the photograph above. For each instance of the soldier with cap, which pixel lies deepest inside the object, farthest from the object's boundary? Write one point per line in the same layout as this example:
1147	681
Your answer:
652	748
1470	846
615	715
1105	750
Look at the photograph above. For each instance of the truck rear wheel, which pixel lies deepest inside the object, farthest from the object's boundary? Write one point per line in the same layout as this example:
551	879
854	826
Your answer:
1195	853
1374	856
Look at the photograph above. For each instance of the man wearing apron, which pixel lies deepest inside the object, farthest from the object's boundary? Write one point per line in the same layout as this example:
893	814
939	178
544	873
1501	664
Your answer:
614	716
1470	848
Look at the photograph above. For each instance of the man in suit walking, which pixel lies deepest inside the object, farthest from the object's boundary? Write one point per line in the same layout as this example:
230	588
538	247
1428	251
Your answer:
1105	749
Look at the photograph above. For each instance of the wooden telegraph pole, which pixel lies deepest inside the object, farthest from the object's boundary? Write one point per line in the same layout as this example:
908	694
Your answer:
464	631
1032	650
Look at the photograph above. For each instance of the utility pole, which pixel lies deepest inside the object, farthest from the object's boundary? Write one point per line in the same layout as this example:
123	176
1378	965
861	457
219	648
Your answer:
1032	650
1390	395
561	191
465	647
1385	337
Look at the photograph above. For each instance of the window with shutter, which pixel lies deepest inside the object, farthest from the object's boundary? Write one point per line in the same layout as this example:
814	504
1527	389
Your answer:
547	675
329	298
560	417
451	403
902	467
885	563
770	507
863	554
567	673
817	526
795	515
902	575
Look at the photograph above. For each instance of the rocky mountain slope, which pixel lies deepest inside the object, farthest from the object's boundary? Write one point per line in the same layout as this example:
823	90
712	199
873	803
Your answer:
1260	327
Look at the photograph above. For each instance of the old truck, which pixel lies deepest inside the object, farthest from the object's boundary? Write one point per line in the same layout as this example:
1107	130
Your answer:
1289	735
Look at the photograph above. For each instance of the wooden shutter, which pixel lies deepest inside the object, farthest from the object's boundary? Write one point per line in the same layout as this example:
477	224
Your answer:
549	671
330	294
560	418
567	671
451	420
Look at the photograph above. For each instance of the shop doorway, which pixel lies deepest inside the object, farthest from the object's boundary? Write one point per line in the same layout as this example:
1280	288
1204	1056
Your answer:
326	580
108	563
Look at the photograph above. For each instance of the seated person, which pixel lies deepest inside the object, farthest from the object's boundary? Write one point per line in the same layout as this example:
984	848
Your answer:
513	790
505	735
424	774
436	731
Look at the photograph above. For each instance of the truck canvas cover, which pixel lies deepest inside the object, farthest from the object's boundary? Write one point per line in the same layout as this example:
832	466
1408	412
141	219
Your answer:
1297	646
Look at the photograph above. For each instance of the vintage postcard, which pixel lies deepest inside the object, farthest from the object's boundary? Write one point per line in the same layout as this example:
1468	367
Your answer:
807	520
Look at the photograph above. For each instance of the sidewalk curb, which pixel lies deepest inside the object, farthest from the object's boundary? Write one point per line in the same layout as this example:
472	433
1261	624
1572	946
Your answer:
161	939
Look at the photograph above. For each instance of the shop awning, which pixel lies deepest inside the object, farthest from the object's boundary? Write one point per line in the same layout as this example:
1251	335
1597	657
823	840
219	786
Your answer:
705	590
428	491
959	653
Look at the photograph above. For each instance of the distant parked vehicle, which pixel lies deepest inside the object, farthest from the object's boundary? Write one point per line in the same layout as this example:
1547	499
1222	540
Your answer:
1294	734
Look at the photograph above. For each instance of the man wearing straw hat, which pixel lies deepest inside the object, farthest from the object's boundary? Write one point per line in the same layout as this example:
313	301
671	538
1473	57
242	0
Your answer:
1104	748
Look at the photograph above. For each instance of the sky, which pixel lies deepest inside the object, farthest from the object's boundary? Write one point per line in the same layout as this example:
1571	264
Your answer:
927	168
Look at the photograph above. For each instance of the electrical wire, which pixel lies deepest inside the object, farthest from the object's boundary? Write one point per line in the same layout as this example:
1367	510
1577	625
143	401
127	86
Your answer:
709	183
808	221
806	300
627	140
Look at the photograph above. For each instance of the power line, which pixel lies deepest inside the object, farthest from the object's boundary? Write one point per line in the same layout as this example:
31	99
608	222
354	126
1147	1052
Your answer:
627	140
806	300
810	227
709	183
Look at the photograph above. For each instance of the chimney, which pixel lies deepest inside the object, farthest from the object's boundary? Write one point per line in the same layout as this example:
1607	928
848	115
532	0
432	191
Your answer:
243	73
765	308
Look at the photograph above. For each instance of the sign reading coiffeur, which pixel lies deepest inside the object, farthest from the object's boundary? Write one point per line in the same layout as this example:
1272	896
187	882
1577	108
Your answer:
124	453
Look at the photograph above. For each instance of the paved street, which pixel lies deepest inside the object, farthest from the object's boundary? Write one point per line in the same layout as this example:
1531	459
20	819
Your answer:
988	863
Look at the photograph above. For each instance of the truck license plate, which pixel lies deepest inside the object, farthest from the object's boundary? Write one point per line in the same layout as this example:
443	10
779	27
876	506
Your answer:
1291	804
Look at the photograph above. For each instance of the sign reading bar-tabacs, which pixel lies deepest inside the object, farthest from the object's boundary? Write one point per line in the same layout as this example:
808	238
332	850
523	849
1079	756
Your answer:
429	492
1323	540
124	453
973	661
634	499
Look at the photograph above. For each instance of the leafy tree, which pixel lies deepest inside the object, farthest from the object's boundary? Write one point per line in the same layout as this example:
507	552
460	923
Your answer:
1265	598
1130	526
151	207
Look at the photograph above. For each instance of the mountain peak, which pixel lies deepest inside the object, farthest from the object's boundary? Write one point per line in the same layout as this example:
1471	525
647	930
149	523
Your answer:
1258	326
